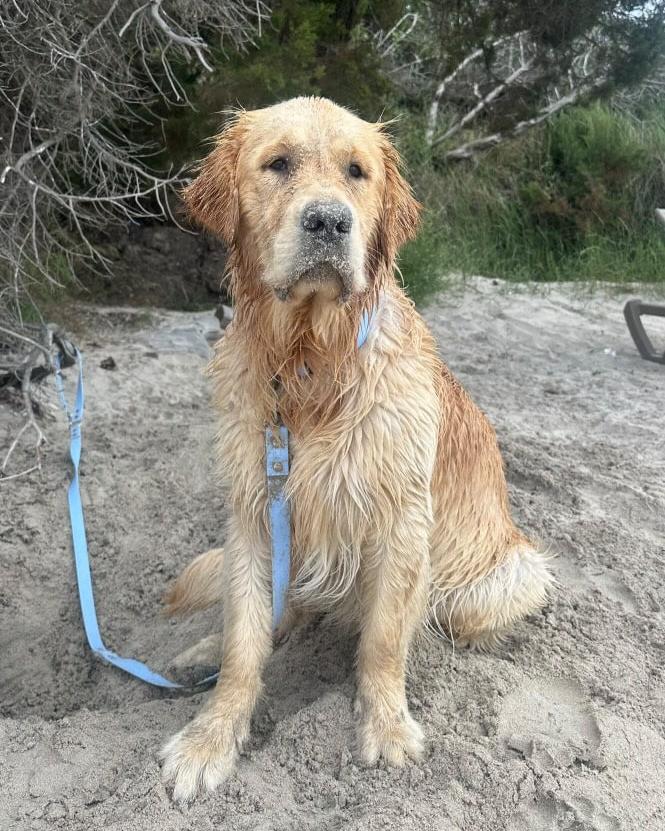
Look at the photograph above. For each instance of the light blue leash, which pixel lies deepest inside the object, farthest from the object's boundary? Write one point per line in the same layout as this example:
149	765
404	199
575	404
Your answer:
277	471
81	558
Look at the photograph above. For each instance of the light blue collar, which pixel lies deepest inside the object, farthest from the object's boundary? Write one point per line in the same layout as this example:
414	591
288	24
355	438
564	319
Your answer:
366	324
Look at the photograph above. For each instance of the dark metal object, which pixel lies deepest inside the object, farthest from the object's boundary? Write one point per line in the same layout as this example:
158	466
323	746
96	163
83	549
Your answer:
633	311
45	336
66	348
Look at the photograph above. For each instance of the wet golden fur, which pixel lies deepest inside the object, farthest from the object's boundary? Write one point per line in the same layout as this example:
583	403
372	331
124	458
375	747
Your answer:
399	505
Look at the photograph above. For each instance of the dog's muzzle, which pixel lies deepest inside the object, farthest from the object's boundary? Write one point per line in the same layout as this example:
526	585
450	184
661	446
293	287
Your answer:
324	248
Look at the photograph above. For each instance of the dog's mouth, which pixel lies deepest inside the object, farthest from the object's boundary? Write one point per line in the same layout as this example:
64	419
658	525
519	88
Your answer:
331	278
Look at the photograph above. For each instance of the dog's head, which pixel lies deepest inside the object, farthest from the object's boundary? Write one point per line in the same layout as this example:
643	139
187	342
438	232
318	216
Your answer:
308	192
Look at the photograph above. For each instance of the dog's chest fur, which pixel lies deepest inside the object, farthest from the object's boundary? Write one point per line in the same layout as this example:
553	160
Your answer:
349	482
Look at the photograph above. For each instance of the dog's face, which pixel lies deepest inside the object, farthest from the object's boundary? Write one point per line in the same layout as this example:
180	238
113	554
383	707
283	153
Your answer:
311	192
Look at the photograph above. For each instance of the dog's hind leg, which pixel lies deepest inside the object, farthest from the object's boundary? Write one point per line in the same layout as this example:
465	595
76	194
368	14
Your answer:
198	587
480	612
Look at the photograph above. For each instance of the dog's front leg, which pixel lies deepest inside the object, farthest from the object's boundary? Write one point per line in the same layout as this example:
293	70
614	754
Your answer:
202	755
393	588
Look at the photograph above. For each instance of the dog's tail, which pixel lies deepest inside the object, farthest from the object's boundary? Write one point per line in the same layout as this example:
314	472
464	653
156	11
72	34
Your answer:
198	587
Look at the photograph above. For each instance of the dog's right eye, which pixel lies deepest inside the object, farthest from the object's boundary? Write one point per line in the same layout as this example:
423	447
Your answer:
279	165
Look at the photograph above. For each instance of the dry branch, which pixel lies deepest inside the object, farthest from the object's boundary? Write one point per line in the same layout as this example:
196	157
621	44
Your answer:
74	79
520	69
24	371
484	102
470	148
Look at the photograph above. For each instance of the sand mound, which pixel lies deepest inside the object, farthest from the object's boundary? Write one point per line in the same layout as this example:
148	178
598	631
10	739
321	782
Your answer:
562	729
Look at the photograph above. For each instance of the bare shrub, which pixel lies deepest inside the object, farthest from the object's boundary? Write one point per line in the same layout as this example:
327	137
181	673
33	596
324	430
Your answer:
74	80
73	77
494	71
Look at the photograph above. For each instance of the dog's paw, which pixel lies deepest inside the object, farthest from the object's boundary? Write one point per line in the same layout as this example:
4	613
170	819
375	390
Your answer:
201	756
391	739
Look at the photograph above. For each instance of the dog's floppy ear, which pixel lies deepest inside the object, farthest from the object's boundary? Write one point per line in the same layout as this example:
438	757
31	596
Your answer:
212	198
400	210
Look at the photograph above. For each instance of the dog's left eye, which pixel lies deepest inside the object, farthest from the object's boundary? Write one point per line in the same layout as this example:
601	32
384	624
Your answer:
279	165
355	171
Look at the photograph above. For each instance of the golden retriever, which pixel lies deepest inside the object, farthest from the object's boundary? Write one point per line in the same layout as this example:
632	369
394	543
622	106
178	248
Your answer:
399	506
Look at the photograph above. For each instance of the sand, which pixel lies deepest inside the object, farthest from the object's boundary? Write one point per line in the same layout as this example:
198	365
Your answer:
563	728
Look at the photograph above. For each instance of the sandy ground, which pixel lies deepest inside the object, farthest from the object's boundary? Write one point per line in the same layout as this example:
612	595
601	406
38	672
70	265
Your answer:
562	729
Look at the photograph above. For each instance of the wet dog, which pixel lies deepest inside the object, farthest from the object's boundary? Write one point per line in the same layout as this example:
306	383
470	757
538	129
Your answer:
398	498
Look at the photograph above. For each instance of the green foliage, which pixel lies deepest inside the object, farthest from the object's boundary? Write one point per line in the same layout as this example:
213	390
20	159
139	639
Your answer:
419	261
631	33
310	47
573	201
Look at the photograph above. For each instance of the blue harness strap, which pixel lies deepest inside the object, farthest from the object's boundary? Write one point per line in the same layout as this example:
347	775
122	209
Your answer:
277	471
279	510
366	323
80	544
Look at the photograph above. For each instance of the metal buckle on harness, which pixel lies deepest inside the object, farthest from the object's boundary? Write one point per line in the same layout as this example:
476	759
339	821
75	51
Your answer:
277	451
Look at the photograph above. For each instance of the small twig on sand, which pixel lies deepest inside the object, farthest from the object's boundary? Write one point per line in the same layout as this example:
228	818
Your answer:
25	472
31	361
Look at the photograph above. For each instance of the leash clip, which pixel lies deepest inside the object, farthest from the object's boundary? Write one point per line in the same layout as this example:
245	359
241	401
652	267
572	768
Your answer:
277	451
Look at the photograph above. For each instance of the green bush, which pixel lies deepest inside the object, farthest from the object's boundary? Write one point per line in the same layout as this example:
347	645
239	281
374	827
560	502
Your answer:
310	47
571	201
420	261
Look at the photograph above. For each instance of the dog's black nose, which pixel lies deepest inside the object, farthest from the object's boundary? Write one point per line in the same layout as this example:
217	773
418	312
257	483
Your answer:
328	220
